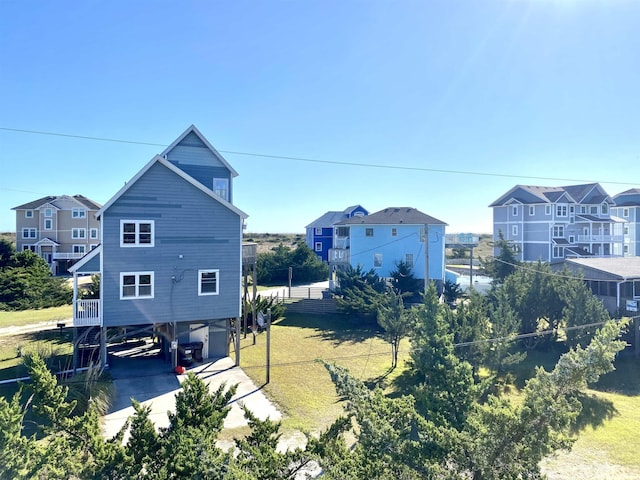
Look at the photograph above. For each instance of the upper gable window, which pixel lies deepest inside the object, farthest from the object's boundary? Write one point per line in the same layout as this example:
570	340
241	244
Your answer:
514	210
318	230
137	233
48	212
28	213
532	210
221	187
78	213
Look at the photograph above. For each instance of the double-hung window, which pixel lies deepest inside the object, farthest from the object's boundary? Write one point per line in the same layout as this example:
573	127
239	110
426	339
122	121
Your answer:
208	282
408	259
136	233
78	213
93	233
29	233
136	285
561	210
48	223
558	231
78	233
318	231
318	246
79	249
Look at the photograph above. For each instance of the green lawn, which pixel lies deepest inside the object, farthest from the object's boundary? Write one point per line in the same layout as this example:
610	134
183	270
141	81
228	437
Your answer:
27	317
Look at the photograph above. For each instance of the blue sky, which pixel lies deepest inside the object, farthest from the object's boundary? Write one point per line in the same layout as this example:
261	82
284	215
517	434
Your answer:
539	92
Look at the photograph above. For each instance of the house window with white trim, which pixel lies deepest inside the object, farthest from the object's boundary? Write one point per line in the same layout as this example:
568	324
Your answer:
92	246
514	230
208	282
547	209
593	209
558	231
558	252
572	239
78	233
368	232
532	210
221	187
318	246
583	209
78	213
626	229
93	233
625	212
136	285
318	230
514	210
80	249
626	249
29	232
48	224
561	210
377	260
137	233
28	214
29	247
604	208
48	212
408	259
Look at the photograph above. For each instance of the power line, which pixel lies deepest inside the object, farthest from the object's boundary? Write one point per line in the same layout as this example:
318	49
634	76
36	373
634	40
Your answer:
326	162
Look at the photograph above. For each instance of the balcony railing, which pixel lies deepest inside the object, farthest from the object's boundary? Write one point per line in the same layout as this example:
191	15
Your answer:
339	255
67	256
86	313
600	238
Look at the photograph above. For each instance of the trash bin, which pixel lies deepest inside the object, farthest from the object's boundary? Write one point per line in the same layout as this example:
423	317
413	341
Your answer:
190	352
196	348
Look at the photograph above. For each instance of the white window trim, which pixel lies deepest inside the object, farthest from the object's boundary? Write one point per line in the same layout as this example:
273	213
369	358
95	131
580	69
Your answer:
92	231
226	187
318	246
28	214
374	260
92	246
514	230
50	222
514	211
48	212
318	230
208	270
560	251
547	209
79	246
532	210
76	233
137	285
26	246
137	243
406	259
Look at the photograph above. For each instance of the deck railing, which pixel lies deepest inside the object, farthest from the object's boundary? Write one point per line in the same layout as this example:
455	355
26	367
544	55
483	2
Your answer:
86	313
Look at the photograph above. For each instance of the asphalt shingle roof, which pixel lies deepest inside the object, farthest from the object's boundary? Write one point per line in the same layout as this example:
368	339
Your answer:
394	216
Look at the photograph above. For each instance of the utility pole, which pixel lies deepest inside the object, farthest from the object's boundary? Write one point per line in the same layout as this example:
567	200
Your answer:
268	345
425	240
290	277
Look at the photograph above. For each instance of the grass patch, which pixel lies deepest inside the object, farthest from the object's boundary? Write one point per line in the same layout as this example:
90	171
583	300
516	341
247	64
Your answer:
300	385
28	317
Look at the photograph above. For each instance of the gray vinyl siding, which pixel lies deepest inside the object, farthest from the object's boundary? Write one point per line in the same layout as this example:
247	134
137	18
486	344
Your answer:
205	174
192	231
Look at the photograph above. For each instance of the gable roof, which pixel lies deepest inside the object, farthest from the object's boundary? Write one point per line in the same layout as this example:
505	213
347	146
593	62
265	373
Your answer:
81	199
394	216
76	267
332	217
622	267
531	194
163	161
195	131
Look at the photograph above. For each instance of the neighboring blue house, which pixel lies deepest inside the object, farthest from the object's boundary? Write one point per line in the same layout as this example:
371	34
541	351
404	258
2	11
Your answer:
170	254
627	207
319	235
382	239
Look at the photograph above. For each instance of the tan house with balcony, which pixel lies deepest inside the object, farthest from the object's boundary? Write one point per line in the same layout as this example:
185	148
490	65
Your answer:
60	229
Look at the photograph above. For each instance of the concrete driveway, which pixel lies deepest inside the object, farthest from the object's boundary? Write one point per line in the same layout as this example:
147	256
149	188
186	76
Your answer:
139	373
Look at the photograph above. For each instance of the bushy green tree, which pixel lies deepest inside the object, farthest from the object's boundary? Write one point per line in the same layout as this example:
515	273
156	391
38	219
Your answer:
273	267
404	282
504	263
395	321
359	293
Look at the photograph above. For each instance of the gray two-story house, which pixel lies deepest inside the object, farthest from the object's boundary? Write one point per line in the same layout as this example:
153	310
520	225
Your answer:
554	223
60	229
170	254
